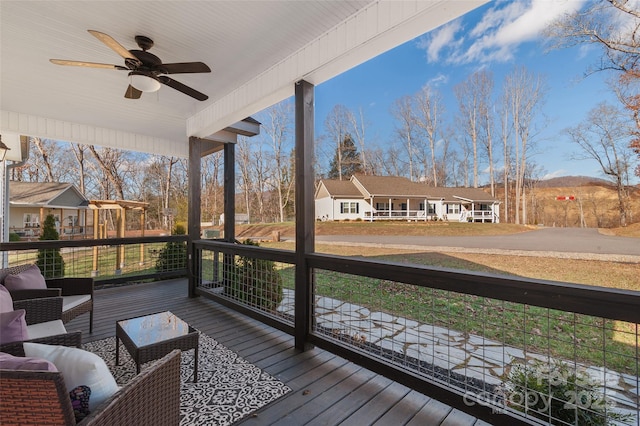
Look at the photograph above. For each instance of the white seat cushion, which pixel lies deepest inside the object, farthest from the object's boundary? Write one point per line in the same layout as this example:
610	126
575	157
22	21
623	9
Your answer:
45	329
70	302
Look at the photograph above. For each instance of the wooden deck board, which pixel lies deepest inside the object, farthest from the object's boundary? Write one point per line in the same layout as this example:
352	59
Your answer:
326	389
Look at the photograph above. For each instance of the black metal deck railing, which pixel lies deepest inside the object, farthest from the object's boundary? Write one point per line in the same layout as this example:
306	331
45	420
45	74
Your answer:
536	351
109	261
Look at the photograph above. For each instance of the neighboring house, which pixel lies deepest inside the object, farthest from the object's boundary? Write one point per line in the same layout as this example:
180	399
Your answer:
396	198
31	202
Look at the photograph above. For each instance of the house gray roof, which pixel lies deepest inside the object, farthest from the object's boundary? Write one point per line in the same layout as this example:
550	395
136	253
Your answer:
399	187
341	188
45	194
392	186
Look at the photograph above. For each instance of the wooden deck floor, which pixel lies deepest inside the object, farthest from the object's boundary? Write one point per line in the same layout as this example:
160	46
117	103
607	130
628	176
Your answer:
327	390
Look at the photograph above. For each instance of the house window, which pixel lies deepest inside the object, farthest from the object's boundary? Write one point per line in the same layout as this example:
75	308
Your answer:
484	207
453	208
382	206
431	207
349	207
403	206
31	220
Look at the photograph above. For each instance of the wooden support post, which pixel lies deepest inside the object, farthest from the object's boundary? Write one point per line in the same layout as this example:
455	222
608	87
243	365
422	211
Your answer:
305	211
119	252
193	221
96	235
229	209
229	193
142	221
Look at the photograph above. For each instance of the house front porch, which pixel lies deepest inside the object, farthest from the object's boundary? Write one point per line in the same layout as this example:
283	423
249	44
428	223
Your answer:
327	389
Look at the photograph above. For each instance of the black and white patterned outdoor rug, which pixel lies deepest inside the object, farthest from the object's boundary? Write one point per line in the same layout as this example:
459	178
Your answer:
228	389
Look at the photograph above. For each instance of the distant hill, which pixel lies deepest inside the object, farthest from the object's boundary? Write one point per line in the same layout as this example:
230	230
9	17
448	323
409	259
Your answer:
572	181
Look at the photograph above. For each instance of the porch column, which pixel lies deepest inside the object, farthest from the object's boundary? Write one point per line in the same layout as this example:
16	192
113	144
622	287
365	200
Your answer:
408	207
96	235
305	210
372	209
390	208
193	217
229	192
426	209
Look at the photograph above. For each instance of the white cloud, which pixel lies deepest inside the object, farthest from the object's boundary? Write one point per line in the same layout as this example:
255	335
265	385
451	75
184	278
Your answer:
554	174
497	35
438	80
439	39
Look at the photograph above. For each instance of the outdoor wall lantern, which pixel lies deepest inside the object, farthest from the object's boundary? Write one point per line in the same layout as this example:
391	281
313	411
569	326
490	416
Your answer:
3	149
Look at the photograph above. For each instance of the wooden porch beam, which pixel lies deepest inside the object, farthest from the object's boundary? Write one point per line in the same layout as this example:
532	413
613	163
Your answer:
305	210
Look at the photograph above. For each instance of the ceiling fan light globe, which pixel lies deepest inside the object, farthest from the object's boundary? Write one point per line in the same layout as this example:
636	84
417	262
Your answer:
144	83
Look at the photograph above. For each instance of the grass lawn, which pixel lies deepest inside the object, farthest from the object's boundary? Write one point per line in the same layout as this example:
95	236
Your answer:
561	334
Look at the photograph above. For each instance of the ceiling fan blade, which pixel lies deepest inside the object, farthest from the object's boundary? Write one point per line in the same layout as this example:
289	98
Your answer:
132	93
184	68
182	88
86	64
113	45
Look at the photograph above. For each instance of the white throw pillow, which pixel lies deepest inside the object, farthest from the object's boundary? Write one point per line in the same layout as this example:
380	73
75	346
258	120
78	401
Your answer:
78	367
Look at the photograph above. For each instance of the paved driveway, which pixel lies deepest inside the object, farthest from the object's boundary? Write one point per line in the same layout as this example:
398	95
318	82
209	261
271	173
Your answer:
562	240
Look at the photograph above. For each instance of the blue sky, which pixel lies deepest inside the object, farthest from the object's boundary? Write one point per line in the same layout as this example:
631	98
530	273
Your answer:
496	36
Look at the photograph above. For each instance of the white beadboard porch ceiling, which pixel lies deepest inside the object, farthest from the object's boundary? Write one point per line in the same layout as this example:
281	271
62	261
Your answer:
257	50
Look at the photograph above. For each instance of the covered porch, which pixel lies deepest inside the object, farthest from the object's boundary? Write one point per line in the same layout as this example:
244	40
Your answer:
326	388
331	37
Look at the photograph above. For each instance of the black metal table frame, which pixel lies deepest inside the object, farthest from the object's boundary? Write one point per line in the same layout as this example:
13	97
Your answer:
157	350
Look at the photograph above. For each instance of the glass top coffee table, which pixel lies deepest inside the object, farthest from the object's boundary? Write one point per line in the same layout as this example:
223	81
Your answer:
153	336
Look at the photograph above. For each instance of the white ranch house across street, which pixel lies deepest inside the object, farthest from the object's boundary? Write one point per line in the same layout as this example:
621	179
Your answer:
397	198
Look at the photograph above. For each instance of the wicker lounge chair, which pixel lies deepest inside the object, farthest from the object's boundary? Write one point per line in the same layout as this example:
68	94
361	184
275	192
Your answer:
40	398
42	311
77	294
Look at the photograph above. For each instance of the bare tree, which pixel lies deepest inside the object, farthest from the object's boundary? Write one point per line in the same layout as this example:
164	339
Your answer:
278	130
79	153
469	95
337	125
485	89
109	161
212	204
505	136
525	93
44	155
429	118
402	110
246	176
604	137
614	26
358	128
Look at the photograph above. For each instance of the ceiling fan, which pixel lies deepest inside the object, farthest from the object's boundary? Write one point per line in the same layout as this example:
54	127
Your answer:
146	71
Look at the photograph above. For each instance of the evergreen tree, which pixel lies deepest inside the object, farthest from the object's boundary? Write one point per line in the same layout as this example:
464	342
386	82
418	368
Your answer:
174	254
256	282
50	261
346	161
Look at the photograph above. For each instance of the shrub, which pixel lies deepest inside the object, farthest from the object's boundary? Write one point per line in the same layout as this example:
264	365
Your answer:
559	395
256	282
14	237
174	254
50	261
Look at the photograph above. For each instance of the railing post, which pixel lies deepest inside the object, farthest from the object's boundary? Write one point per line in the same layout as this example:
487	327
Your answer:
305	211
